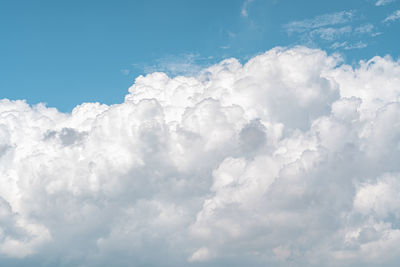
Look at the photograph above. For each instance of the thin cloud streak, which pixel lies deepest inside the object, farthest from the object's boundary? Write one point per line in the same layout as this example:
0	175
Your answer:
245	8
393	17
319	21
383	2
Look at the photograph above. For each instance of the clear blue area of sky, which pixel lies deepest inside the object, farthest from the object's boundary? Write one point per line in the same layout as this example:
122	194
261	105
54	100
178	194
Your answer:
64	53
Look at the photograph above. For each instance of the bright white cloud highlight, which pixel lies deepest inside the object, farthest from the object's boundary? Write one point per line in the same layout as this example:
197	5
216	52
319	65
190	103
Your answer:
289	159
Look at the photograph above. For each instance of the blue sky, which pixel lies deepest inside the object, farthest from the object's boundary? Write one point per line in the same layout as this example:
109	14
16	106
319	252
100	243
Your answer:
64	53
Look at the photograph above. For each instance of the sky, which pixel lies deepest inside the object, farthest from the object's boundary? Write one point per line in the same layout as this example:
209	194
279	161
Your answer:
189	133
64	53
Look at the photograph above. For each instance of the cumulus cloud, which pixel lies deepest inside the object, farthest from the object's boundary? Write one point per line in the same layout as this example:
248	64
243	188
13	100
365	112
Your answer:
288	159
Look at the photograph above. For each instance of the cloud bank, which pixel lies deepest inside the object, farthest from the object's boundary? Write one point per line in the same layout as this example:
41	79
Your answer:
289	159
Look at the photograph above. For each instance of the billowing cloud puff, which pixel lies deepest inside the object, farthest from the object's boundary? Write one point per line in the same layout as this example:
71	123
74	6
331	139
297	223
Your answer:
289	159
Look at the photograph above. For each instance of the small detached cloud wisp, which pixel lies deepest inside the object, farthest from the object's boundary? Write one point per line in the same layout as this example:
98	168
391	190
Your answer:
393	17
383	2
245	8
289	159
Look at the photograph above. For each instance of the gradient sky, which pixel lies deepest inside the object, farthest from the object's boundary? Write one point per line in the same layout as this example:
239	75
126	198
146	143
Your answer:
64	53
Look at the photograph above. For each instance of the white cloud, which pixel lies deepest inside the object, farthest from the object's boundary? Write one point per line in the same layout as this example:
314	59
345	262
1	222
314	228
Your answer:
357	45
383	2
202	254
245	8
348	46
291	158
188	64
319	21
330	34
393	17
332	30
366	28
381	198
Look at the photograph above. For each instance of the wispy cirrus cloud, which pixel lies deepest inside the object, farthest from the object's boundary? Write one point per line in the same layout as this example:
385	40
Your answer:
331	33
348	46
366	28
188	64
392	17
319	22
338	30
383	2
245	8
125	71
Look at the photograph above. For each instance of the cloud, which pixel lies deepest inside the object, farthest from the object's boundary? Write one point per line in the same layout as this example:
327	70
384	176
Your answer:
202	254
366	28
125	71
330	34
333	30
245	8
288	159
319	21
393	17
348	46
188	64
383	2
